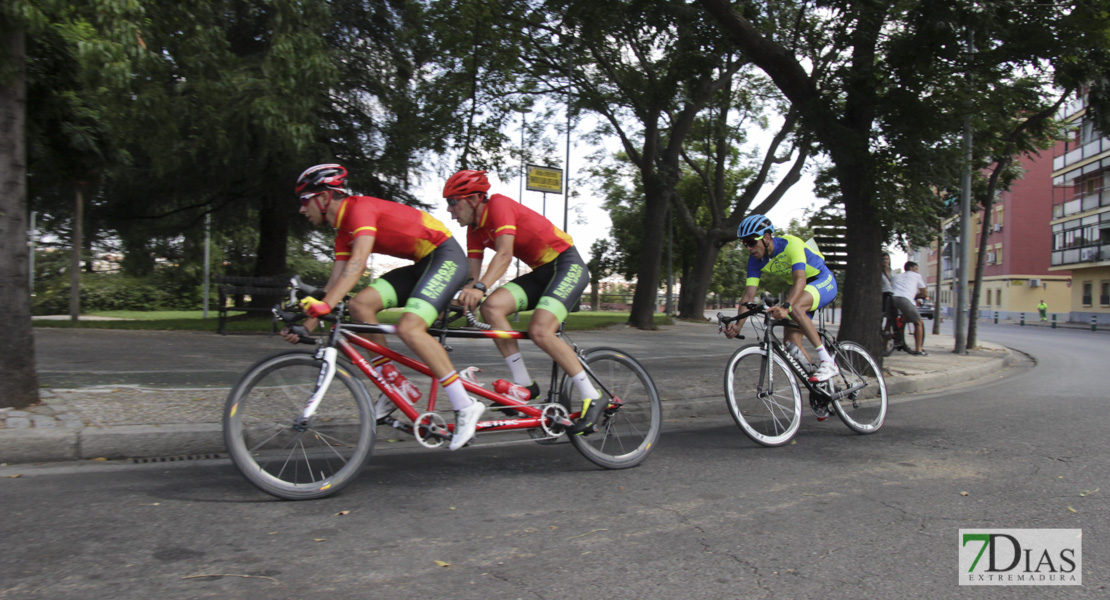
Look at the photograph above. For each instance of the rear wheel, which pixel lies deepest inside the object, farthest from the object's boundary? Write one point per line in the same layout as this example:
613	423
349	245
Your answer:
763	396
630	427
287	460
863	409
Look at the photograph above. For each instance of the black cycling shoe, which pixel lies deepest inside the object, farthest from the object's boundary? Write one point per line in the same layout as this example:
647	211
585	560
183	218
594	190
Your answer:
591	414
533	391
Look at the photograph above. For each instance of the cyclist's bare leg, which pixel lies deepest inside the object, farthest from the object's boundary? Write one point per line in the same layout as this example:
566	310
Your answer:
918	335
794	336
413	331
365	307
800	308
495	310
543	330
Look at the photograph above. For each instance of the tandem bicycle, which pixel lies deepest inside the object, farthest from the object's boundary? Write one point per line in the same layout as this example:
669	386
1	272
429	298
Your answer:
301	424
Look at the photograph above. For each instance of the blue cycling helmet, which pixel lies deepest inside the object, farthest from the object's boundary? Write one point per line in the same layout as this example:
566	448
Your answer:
754	224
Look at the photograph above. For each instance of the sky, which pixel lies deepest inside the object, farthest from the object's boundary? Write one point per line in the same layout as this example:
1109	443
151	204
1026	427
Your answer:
592	222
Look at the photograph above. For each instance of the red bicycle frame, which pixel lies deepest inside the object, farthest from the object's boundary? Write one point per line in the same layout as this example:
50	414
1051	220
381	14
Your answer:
350	338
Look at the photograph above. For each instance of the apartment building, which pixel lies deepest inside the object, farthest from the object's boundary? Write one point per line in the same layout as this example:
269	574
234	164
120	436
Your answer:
1017	274
1080	220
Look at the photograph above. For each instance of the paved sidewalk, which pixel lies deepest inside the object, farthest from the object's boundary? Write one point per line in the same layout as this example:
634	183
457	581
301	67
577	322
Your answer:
131	420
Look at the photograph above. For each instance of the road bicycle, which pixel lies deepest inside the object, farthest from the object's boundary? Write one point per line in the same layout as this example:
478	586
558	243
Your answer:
762	383
300	424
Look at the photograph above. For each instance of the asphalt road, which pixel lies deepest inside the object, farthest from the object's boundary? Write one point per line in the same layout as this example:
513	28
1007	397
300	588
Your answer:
709	515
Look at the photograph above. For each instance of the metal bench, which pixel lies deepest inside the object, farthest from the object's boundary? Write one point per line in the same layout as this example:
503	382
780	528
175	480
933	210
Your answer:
236	288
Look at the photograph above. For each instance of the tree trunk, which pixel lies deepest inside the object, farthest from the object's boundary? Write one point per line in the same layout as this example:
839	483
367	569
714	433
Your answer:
273	244
861	298
695	283
936	294
647	278
75	257
17	347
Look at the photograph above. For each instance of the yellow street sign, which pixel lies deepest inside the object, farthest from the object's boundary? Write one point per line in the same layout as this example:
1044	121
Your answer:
545	179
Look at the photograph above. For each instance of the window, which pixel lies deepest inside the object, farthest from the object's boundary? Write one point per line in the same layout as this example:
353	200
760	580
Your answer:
1086	293
1104	293
989	298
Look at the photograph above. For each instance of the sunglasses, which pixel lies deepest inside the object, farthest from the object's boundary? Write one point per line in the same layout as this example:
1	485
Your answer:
749	242
454	201
306	198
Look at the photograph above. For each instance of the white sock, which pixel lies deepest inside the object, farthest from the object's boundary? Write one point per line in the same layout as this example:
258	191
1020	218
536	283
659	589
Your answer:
585	388
518	370
456	393
823	354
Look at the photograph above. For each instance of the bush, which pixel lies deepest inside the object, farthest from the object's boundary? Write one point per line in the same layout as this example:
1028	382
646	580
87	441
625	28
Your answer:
111	291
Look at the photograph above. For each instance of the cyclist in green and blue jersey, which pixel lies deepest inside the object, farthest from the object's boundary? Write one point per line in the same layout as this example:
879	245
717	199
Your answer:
787	261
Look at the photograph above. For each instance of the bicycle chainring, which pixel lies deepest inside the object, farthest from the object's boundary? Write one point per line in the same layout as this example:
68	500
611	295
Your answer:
553	413
430	429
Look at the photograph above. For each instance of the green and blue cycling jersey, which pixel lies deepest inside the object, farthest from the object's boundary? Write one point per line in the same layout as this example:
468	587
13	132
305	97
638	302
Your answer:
776	272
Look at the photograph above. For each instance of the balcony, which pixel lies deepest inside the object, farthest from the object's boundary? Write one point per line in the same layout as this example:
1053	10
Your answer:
1088	150
1079	256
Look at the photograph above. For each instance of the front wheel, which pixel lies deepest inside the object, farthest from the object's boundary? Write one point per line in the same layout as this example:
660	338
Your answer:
863	409
630	427
763	396
290	460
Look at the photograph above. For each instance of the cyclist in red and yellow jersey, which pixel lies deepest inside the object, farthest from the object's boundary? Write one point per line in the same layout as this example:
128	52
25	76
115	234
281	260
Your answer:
365	225
558	277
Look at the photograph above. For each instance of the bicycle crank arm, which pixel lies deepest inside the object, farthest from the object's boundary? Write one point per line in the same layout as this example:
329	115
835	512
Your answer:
843	393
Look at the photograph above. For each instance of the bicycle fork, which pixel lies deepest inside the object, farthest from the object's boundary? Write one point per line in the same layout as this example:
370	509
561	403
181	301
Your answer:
323	381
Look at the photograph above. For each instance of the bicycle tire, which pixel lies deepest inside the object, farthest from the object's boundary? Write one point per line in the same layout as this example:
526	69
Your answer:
769	419
863	411
625	436
298	465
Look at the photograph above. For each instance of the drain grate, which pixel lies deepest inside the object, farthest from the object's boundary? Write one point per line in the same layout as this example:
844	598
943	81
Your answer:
187	457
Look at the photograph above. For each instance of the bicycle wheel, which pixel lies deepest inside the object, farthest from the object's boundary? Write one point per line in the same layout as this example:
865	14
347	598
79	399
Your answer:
765	402
319	459
864	409
625	435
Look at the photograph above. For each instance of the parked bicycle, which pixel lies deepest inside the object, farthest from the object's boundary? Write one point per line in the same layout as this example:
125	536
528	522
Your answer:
762	383
894	334
300	424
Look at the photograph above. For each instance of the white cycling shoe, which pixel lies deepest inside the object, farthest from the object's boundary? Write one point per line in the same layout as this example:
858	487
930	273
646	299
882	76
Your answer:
466	422
826	371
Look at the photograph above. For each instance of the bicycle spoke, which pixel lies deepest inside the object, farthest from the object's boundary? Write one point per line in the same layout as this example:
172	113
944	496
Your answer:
767	414
258	428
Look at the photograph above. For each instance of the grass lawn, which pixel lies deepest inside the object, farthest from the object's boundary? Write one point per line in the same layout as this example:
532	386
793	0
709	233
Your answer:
256	323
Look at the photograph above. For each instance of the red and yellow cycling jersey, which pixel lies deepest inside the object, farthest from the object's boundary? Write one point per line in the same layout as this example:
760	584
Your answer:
398	230
537	241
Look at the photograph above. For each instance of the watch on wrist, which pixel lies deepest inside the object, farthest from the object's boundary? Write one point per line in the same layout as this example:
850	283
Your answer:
478	285
786	306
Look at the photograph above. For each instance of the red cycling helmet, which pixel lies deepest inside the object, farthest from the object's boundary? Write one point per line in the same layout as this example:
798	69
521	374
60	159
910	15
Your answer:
322	177
465	183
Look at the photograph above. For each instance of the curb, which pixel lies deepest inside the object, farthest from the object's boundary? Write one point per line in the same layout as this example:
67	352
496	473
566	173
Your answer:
927	382
18	446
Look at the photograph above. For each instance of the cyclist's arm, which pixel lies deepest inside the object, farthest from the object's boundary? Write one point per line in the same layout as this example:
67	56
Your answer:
734	327
503	257
345	274
794	294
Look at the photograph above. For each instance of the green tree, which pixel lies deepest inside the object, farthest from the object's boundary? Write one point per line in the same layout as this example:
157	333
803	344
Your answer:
880	86
646	69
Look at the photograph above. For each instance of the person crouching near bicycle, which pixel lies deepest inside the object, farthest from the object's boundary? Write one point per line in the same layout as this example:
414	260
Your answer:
364	225
812	285
558	277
